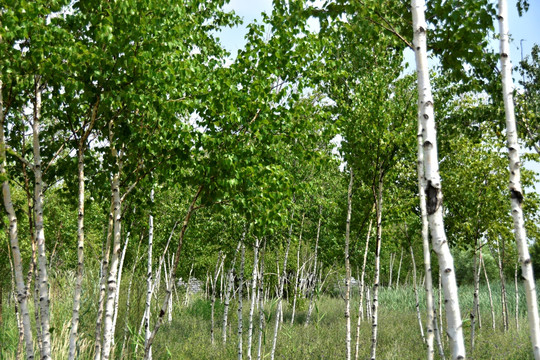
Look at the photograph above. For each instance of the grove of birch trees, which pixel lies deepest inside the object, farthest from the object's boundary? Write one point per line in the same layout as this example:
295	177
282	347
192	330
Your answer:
149	176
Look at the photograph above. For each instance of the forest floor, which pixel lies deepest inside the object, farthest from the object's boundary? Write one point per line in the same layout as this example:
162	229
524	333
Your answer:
188	335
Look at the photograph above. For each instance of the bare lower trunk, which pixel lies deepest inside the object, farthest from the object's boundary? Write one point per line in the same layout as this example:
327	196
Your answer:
433	188
474	311
261	304
22	294
362	288
240	303
103	288
279	312
297	279
219	264
419	317
313	276
516	194
253	294
172	278
438	337
348	270
149	280
431	321
40	233
399	268
128	300
230	280
391	266
375	304
504	302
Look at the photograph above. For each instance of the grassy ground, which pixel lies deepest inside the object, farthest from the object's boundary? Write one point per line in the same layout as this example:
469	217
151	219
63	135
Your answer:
188	335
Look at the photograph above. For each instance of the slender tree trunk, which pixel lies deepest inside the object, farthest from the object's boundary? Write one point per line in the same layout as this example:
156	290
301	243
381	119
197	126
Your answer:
240	303
489	292
22	294
433	184
368	303
279	312
149	280
516	194
128	300
297	277
230	281
40	234
103	286
253	294
474	310
375	303
504	302
348	270
261	303
80	236
119	282
108	331
362	287
438	335
219	263
431	321
172	278
419	317
313	276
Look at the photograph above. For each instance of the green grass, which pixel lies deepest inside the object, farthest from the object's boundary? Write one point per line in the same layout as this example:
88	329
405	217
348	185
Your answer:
188	335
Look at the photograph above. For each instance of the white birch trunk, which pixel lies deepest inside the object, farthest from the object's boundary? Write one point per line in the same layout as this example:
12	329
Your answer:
253	295
375	303
392	256
261	303
515	182
297	278
40	234
474	311
504	303
220	261
119	282
433	183
362	287
149	280
348	270
108	330
22	294
418	316
312	286
230	281
279	312
428	279
103	286
240	303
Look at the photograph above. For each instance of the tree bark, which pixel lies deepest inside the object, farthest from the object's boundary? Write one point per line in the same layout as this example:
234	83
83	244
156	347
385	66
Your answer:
40	234
219	263
149	280
22	294
419	317
230	280
261	303
375	303
474	311
240	303
279	312
297	277
313	276
516	194
433	187
348	269
489	292
504	302
253	294
172	278
517	295
362	288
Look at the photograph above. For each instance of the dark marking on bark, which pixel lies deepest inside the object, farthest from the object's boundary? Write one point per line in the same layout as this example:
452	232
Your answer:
447	270
421	29
527	261
460	357
433	200
161	313
514	194
504	55
429	103
426	116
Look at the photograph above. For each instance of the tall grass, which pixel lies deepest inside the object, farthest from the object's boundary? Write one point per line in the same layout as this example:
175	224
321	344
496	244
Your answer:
188	336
